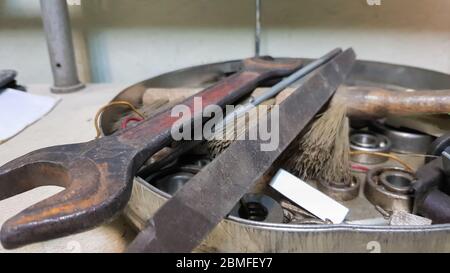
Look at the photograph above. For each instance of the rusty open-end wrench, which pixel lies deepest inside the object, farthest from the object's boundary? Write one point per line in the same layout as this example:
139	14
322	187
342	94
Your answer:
97	175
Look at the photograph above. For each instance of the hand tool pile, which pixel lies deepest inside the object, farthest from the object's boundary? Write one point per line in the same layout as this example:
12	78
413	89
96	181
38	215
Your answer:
338	140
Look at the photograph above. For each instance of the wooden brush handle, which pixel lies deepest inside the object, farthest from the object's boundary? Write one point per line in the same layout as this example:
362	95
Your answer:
377	102
361	101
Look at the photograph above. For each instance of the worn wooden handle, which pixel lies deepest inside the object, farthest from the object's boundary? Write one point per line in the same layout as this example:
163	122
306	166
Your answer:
362	101
377	102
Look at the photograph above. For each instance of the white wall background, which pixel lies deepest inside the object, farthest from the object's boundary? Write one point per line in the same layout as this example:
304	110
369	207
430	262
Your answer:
124	41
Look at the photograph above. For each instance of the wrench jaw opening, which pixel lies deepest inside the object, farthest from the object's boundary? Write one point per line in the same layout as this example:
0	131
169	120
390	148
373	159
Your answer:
36	169
94	193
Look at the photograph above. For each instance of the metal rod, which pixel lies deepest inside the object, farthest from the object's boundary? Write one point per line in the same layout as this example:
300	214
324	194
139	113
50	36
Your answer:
276	89
258	29
55	16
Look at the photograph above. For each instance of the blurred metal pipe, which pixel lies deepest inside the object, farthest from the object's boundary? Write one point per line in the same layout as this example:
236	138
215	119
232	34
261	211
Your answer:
55	16
258	29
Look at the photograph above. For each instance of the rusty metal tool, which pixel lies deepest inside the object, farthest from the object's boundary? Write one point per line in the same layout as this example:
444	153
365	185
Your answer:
182	222
98	175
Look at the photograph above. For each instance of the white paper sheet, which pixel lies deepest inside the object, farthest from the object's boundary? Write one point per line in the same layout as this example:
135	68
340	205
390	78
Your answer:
20	109
309	198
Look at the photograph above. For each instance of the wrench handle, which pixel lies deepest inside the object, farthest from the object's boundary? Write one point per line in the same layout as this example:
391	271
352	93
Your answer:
152	135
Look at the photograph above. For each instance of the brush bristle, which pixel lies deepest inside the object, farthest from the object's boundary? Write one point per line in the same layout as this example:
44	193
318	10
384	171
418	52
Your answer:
226	135
323	152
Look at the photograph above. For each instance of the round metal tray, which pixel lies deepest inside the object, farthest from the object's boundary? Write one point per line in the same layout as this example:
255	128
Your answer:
238	235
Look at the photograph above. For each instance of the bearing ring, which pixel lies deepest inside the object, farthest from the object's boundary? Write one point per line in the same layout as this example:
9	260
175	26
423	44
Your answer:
340	192
258	207
390	188
369	142
403	141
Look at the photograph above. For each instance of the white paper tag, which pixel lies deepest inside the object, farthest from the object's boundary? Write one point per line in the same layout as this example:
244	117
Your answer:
20	109
309	198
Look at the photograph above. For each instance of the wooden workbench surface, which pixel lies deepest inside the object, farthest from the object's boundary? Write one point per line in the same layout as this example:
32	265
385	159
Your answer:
71	121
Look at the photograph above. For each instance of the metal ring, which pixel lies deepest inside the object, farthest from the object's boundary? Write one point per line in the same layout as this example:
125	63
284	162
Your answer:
340	192
260	208
397	181
388	188
366	141
404	141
